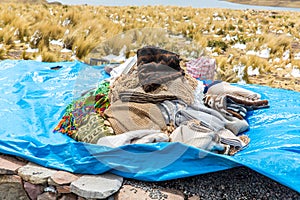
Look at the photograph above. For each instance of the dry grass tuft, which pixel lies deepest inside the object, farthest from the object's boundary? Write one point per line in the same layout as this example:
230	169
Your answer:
84	30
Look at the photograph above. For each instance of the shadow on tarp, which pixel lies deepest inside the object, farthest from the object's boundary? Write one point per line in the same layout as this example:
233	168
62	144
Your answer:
33	98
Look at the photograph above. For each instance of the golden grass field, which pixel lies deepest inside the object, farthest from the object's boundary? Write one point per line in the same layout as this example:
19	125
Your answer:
253	46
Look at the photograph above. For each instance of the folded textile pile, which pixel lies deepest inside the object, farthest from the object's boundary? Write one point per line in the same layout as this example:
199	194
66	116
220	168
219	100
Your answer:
131	116
92	128
151	99
137	95
202	68
78	112
157	66
233	101
134	137
178	88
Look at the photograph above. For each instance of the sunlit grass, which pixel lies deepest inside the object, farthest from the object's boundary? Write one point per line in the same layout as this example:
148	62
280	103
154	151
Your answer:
84	30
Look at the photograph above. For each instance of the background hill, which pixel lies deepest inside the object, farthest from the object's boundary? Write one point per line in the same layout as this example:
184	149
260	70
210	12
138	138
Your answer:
280	3
23	1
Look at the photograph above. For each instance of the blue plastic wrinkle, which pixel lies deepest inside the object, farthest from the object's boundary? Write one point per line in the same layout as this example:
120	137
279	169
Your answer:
33	98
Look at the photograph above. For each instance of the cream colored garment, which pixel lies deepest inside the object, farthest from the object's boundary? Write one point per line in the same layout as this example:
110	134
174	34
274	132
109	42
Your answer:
134	137
226	88
124	68
211	119
206	140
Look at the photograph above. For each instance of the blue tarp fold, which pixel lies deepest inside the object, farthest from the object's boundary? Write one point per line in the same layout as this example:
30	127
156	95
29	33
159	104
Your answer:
33	98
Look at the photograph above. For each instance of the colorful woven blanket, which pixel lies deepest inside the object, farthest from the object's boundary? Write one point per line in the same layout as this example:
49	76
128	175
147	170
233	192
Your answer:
93	101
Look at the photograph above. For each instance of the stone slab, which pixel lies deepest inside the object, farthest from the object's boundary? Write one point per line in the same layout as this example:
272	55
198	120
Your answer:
9	165
62	178
35	174
97	186
11	187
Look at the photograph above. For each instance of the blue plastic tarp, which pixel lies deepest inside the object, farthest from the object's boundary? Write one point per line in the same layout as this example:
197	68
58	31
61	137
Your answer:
33	98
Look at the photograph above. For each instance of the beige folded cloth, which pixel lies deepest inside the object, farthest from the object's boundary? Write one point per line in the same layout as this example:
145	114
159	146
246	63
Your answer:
222	96
209	141
134	137
128	88
138	95
130	116
226	88
227	137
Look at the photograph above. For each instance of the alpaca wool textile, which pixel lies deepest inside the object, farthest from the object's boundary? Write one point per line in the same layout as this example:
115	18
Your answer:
152	75
202	68
134	137
170	108
92	101
211	118
156	66
150	54
131	116
225	88
196	133
92	128
127	88
222	97
209	140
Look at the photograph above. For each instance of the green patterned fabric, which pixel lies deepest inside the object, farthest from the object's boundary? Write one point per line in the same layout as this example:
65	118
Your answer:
94	101
92	127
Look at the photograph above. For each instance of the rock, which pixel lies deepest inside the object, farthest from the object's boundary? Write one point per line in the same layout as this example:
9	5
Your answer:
9	165
50	189
33	190
173	194
98	186
62	178
68	197
63	189
47	196
111	198
35	174
11	187
194	198
132	193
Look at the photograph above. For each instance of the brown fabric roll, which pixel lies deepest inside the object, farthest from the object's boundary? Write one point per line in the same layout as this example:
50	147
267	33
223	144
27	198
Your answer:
152	75
157	66
130	116
150	54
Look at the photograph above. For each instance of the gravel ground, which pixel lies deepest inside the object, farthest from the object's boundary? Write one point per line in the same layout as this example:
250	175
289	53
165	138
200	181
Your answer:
236	183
